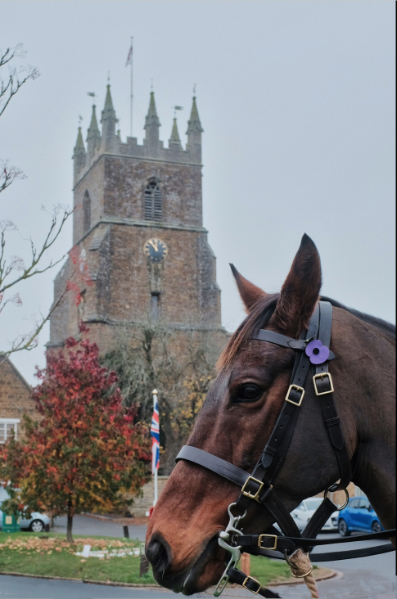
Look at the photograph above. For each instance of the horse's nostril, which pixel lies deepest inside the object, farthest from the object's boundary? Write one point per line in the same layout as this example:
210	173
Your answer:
157	556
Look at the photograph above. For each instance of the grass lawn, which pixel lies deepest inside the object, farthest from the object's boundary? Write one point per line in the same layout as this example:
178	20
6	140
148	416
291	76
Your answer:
48	554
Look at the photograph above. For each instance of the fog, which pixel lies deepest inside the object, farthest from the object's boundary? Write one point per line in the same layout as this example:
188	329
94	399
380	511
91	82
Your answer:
297	103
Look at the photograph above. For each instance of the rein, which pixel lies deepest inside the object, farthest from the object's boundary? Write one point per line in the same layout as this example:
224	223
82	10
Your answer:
312	353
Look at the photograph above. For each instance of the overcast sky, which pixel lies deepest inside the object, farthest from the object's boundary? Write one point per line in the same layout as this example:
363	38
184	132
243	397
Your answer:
297	104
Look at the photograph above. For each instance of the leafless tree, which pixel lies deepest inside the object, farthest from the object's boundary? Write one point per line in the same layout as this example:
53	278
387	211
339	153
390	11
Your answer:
13	271
12	78
148	357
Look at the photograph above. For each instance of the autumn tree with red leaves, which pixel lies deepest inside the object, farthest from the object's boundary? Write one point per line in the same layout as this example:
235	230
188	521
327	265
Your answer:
86	450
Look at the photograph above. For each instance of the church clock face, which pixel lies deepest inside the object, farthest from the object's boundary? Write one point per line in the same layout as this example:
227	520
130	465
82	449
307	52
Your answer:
155	250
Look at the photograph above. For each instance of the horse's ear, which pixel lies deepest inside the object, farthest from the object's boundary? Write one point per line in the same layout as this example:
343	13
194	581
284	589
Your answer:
249	292
301	289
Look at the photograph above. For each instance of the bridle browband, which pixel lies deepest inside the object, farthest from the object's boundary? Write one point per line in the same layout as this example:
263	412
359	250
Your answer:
312	353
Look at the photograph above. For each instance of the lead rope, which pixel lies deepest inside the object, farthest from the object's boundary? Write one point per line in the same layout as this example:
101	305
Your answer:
301	567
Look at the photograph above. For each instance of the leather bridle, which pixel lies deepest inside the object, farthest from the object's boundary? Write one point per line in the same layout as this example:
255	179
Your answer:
258	485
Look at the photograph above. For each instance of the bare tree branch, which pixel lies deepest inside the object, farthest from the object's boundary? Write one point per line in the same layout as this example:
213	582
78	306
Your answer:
12	269
10	83
30	340
8	174
17	76
146	357
15	264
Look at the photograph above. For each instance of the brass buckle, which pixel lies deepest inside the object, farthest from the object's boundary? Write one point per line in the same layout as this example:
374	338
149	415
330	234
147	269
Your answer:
257	582
297	388
270	536
321	375
247	493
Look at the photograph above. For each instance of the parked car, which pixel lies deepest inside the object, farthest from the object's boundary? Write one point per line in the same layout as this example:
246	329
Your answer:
37	522
358	515
305	511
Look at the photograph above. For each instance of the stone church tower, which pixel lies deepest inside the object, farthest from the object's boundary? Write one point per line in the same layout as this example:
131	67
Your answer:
138	232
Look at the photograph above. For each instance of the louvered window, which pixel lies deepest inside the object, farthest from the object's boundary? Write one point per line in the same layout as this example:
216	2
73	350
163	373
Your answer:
155	306
153	201
86	212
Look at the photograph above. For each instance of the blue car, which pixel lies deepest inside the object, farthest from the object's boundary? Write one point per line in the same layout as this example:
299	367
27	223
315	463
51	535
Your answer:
358	515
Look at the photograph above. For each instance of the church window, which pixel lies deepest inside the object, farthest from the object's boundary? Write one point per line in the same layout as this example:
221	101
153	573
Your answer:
82	305
6	426
86	212
155	306
153	201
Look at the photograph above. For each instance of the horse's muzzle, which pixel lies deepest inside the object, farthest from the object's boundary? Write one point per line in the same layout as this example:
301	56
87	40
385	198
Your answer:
190	580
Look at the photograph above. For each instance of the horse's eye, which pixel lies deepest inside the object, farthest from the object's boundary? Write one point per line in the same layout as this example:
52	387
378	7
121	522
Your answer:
248	392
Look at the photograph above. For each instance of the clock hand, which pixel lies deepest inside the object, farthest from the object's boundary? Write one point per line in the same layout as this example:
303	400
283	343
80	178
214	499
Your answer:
155	247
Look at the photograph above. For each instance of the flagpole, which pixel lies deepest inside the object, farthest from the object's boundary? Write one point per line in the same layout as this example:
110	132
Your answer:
132	54
155	470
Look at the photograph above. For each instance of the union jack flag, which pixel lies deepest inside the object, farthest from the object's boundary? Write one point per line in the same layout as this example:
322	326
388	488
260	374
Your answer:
155	433
129	57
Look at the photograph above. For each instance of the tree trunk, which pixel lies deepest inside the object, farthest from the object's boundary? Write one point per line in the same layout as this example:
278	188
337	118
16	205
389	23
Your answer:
69	536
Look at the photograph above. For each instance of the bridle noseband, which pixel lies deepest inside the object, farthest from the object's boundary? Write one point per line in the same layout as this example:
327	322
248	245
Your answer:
312	354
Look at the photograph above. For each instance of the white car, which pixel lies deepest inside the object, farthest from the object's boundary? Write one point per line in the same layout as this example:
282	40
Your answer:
305	511
37	522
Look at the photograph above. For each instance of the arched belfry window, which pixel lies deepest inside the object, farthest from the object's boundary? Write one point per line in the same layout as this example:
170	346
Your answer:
86	212
153	200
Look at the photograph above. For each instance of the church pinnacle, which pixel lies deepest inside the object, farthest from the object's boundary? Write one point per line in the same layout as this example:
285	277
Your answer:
194	123
108	110
79	154
194	131
93	134
108	121
79	147
152	118
152	127
175	141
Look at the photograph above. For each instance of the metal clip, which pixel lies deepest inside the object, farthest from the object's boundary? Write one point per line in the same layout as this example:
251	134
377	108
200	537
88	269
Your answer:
220	587
235	551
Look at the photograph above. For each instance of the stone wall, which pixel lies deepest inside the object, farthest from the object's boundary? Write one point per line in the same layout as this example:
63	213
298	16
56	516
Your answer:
15	395
143	504
123	280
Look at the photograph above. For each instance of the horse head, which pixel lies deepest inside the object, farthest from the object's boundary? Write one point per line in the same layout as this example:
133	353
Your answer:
238	416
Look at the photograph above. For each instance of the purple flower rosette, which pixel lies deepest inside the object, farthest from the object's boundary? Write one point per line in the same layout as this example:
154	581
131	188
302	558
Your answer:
317	352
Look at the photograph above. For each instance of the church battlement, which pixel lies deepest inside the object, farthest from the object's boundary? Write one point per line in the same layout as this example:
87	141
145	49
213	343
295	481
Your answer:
131	182
108	141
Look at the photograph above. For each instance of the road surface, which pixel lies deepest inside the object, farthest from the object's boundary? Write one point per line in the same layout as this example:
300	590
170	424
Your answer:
365	578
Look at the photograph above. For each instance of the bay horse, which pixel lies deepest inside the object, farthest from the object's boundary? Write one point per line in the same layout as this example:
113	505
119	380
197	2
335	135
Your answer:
240	413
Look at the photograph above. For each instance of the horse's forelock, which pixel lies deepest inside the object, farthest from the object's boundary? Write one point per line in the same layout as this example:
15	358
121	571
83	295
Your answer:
258	317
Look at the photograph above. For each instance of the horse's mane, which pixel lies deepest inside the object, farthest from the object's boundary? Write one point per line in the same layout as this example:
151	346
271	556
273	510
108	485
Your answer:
379	323
262	312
